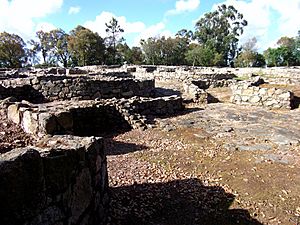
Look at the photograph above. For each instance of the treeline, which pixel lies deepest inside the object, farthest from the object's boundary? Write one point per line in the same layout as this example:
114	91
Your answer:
214	42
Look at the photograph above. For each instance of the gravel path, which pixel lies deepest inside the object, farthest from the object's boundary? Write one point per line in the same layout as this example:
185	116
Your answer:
222	164
162	191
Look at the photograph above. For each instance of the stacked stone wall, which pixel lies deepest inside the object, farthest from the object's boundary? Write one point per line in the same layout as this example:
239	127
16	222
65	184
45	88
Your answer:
90	117
184	73
245	93
68	87
63	180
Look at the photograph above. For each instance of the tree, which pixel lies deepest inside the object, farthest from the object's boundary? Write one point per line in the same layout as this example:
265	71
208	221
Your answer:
250	45
85	47
260	60
286	49
137	56
43	45
184	33
165	51
272	57
219	30
124	53
32	54
201	55
12	50
286	54
59	45
129	55
249	57
296	49
113	30
286	42
151	50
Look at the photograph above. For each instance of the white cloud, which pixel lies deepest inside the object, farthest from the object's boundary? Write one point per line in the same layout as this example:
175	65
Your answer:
17	16
74	10
184	6
261	15
98	25
156	30
138	28
44	26
289	10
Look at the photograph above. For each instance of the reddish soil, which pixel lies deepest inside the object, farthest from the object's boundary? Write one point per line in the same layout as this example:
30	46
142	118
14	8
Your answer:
11	135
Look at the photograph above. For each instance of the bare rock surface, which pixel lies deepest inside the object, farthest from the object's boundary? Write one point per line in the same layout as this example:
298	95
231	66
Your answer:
221	164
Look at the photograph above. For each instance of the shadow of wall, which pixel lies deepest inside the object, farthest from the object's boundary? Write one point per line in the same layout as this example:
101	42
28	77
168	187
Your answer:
179	202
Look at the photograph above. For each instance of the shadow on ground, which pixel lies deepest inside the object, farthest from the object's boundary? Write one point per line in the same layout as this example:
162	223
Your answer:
296	102
179	202
161	92
212	99
113	147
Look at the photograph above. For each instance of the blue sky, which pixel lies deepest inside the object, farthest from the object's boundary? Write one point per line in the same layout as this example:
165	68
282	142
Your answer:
268	19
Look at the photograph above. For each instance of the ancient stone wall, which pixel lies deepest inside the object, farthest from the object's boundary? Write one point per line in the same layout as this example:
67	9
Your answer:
178	73
67	87
245	93
63	180
90	117
184	73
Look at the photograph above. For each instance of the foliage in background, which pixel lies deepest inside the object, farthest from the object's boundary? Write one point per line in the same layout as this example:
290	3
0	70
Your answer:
85	47
249	57
286	54
219	30
12	50
214	42
113	30
165	51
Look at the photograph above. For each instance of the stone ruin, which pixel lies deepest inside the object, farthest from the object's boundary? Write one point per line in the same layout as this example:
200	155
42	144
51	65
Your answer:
196	80
63	178
273	98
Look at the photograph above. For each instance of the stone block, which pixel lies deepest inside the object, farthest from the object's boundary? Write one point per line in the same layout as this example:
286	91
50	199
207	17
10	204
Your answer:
22	186
285	96
29	123
245	98
14	114
127	94
60	168
81	196
248	92
254	99
47	124
271	91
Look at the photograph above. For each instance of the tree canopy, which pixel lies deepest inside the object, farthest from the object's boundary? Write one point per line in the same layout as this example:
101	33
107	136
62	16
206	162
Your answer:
85	47
113	30
12	50
286	54
219	30
213	42
249	57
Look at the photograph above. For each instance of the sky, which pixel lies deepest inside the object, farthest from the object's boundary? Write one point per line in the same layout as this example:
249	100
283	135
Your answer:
268	20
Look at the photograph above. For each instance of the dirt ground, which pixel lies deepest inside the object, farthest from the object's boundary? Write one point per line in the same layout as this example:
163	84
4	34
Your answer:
215	164
11	135
185	173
